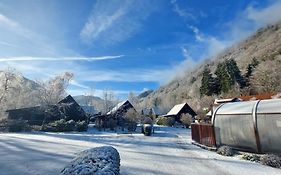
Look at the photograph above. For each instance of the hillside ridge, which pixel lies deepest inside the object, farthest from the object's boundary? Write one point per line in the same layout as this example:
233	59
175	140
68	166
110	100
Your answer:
263	45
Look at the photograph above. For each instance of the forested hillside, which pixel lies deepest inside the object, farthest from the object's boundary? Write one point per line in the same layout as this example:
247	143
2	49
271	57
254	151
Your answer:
250	67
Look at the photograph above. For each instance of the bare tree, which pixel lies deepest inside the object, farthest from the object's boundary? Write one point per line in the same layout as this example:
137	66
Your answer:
109	100
132	116
267	76
131	119
7	77
53	90
134	100
186	120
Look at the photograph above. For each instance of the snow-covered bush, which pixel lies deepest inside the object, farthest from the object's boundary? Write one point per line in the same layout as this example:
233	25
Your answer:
271	160
225	151
81	126
56	126
66	126
166	121
147	129
251	157
96	161
70	125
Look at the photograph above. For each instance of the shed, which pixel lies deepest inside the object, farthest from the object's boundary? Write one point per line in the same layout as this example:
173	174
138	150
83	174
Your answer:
253	126
180	109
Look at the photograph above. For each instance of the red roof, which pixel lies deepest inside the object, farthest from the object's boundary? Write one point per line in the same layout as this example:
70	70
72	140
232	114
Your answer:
260	96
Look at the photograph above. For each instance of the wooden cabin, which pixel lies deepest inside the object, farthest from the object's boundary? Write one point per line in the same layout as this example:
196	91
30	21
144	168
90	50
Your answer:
180	109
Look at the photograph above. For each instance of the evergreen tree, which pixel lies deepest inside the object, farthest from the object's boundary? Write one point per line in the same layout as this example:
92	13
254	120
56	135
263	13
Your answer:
206	82
250	70
223	77
209	84
215	86
234	73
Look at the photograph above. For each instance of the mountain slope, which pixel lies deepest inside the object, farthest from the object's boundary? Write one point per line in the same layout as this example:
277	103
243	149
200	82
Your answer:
85	100
263	45
16	91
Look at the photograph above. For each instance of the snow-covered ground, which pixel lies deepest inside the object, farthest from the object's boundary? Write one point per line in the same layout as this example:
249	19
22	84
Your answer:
167	152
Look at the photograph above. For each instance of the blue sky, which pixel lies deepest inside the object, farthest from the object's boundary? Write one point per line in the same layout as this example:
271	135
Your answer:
128	45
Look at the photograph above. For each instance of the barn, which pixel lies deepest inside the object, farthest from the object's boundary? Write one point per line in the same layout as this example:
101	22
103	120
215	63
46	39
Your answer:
180	109
67	109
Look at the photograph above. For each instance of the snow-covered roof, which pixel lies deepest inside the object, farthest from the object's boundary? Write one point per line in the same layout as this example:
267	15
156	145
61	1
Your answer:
226	100
176	109
117	107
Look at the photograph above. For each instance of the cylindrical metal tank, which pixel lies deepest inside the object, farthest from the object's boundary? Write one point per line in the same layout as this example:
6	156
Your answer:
253	126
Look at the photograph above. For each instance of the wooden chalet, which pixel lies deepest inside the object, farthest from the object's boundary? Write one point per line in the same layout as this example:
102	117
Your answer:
180	109
119	111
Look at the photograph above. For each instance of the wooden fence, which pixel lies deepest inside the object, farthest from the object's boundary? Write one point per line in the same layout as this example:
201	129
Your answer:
203	134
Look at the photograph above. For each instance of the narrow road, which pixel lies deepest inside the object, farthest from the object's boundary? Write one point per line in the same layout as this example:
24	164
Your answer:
167	152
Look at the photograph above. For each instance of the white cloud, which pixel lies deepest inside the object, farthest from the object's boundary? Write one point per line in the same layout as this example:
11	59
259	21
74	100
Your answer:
131	75
116	21
185	53
198	35
243	25
17	35
5	21
77	84
265	16
182	12
7	44
5	59
99	92
251	19
185	66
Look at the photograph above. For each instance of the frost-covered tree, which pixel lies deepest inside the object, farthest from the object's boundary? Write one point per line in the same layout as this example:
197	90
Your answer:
267	76
132	116
109	100
131	119
53	90
186	120
134	100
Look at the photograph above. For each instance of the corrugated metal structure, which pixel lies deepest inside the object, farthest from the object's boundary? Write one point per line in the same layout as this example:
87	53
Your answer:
251	126
203	134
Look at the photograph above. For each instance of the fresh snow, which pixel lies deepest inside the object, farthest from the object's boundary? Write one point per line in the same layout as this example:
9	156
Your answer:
167	152
104	160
